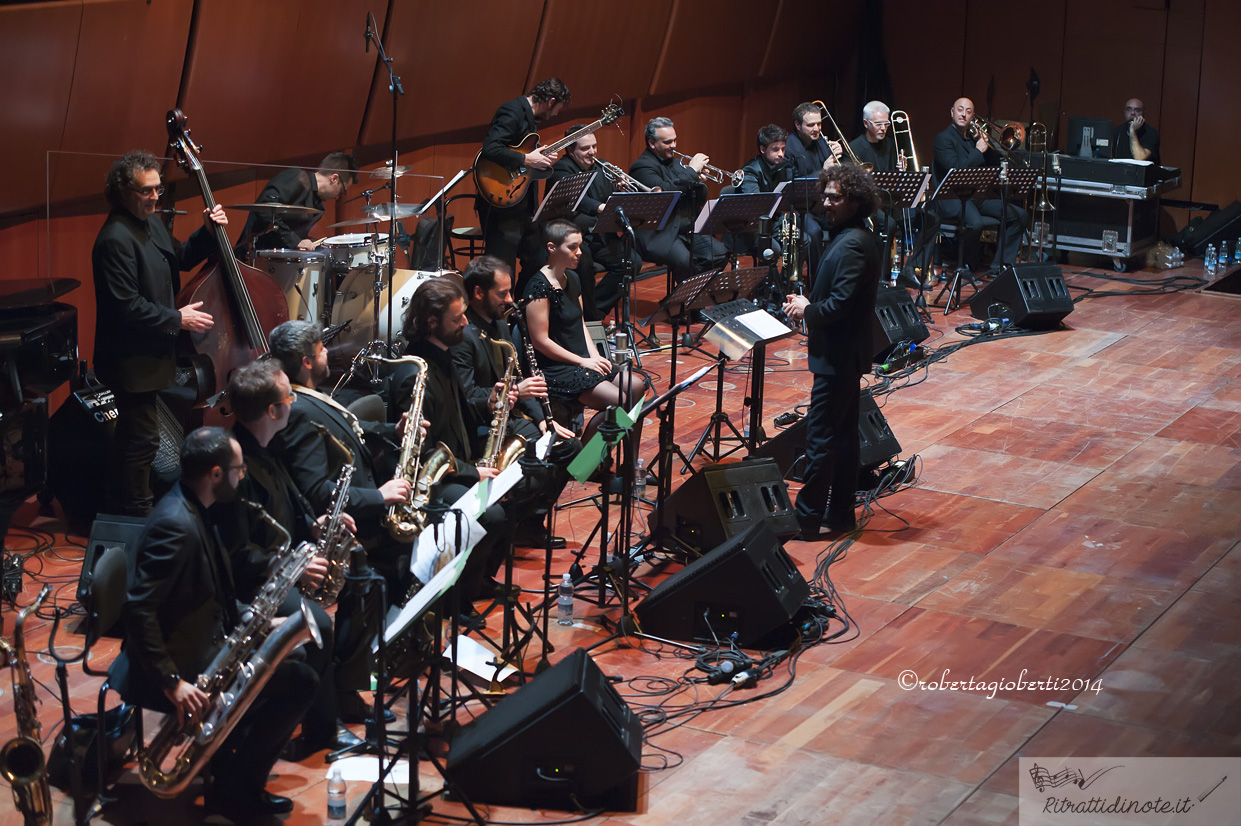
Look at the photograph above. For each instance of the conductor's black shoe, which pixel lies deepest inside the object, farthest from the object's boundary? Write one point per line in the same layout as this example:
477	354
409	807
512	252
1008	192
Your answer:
353	709
840	526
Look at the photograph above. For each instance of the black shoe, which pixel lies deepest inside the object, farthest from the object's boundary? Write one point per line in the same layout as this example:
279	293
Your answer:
490	589
471	620
353	709
224	799
339	738
536	537
840	527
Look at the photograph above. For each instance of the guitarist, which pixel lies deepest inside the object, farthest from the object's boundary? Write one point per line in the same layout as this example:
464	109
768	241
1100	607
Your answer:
509	233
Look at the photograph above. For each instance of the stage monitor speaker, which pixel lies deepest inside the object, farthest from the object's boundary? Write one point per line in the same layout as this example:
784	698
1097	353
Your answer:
721	501
897	323
564	739
748	586
1033	296
1221	225
109	531
877	441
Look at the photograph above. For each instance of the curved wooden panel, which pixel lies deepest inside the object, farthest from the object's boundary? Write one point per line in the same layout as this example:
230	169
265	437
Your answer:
581	42
925	44
1218	117
804	39
37	56
277	80
457	62
124	45
702	48
989	55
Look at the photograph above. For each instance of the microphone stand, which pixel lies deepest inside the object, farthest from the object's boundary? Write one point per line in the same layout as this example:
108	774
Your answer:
396	89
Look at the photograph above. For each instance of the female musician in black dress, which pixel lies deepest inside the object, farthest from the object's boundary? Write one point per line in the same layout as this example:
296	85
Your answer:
573	367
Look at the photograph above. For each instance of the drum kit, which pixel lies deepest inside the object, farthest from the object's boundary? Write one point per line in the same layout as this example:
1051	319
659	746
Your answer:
337	282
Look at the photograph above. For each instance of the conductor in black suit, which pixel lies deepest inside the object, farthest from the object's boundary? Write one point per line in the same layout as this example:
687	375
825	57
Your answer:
137	268
955	149
509	233
180	609
838	316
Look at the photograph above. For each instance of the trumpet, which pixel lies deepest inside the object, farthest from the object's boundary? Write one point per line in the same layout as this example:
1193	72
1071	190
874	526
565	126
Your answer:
902	135
713	173
621	178
866	167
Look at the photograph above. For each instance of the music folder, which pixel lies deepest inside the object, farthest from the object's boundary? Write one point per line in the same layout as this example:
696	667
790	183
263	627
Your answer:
737	335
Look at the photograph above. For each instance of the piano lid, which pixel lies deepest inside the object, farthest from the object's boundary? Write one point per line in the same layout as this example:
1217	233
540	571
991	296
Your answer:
20	293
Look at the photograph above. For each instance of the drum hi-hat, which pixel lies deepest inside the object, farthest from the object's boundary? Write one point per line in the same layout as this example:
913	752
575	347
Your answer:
388	172
276	209
399	210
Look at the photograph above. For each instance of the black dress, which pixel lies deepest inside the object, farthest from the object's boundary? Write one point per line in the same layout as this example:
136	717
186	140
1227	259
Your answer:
564	326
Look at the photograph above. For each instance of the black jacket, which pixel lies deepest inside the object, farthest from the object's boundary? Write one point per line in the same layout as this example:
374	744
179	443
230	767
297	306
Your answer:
955	151
137	270
454	418
512	122
598	192
841	312
672	175
479	365
296	187
807	160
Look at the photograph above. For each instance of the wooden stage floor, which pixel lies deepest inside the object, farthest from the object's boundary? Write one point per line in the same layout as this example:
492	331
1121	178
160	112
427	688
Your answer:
1076	515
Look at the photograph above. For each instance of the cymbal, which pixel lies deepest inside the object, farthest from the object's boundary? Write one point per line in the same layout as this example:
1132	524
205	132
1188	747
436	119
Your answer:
387	172
384	210
276	209
357	222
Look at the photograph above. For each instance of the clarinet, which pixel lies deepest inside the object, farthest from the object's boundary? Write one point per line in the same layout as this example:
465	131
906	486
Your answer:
519	316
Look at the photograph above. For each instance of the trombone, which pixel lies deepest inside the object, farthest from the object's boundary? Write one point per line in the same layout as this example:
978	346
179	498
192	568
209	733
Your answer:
902	135
1010	136
713	173
1038	216
867	167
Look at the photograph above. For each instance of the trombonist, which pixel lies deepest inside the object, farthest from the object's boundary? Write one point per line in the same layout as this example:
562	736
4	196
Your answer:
606	249
957	148
810	153
659	167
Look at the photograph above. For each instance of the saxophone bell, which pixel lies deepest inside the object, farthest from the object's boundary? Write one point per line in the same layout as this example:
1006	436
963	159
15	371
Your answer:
22	762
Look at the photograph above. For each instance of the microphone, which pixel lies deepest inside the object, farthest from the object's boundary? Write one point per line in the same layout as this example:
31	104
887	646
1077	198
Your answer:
772	252
170	212
620	216
368	34
620	353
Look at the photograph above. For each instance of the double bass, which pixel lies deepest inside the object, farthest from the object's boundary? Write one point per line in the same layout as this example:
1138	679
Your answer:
244	302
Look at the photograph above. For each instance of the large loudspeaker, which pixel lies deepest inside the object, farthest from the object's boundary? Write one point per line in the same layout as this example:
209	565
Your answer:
896	322
721	501
1033	296
1221	225
564	738
877	441
748	586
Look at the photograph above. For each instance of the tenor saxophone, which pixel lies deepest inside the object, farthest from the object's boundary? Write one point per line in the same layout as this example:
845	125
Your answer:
21	759
335	544
236	675
501	452
405	520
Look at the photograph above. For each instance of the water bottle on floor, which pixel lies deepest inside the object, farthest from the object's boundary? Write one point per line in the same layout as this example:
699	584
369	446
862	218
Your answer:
337	805
564	600
1210	263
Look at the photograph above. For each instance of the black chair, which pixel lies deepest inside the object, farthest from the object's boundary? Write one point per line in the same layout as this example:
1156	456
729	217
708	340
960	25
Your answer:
467	241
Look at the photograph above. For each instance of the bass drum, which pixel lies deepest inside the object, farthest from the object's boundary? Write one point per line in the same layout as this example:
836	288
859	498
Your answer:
302	276
354	307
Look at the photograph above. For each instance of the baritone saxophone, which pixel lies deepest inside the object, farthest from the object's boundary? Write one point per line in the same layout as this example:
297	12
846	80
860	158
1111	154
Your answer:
21	759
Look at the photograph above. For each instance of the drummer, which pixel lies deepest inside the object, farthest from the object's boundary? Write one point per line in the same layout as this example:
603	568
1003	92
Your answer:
298	188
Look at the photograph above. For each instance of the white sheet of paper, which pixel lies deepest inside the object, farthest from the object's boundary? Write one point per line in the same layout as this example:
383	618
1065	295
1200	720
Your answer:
474	658
1133	161
365	769
422	600
764	324
503	483
427	550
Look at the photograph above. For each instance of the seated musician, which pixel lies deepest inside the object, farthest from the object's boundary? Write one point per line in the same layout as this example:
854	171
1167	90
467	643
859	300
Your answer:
810	153
567	356
768	168
1135	138
957	148
297	187
261	396
918	225
434	322
659	168
180	609
481	364
309	446
606	249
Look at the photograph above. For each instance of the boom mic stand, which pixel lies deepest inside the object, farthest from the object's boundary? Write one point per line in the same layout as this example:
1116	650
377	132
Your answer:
396	89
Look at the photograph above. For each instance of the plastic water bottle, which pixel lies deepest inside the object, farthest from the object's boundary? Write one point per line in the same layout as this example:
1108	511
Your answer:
1224	258
1236	251
639	479
564	600
337	805
1210	261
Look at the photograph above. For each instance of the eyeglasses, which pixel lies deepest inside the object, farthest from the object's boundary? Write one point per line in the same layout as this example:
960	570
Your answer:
833	197
148	191
878	123
241	470
289	399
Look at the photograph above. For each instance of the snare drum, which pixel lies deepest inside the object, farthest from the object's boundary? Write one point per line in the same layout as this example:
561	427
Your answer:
301	275
348	252
356	298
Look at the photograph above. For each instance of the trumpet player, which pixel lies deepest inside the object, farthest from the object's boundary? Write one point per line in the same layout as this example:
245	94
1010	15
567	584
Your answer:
434	323
876	147
261	397
606	249
957	147
659	168
181	607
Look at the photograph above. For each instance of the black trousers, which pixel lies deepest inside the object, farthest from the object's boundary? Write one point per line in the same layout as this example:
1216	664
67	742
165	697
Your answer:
969	227
833	451
320	718
135	444
510	235
669	247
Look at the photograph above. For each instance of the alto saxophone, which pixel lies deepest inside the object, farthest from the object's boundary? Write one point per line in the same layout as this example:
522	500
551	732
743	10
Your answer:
405	520
501	452
236	675
21	759
335	544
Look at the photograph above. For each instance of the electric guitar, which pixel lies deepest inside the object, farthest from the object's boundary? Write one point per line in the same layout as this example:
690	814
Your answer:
502	188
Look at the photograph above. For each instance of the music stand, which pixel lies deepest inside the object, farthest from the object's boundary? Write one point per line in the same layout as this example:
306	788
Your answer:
964	185
1012	181
563	198
905	190
626	213
800	195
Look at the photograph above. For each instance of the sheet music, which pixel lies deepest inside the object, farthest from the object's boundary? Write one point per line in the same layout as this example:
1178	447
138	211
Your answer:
764	324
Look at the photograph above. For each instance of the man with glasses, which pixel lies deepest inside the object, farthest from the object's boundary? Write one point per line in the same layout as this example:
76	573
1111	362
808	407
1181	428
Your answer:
137	266
1135	138
297	187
